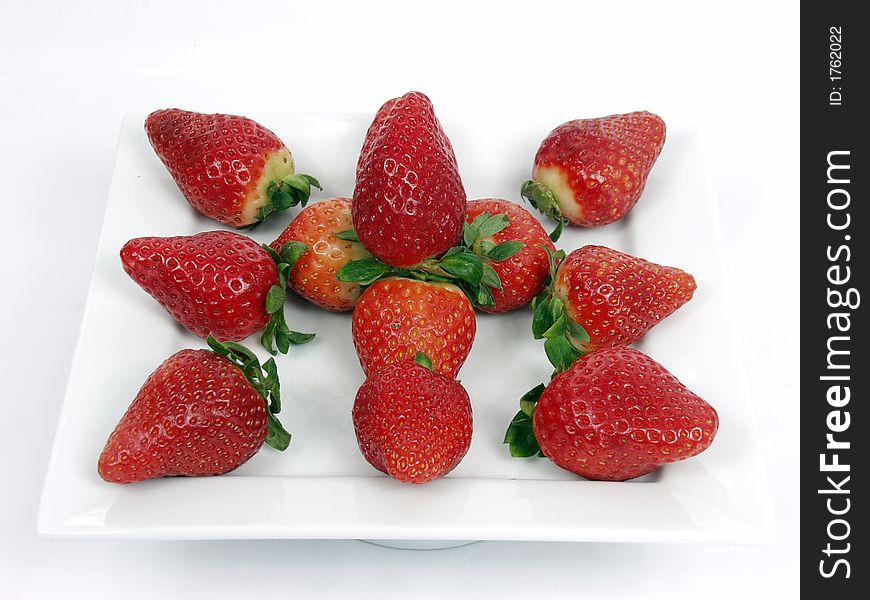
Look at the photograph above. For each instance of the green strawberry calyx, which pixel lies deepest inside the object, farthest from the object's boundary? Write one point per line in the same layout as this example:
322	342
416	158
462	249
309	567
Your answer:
288	191
564	340
542	198
277	335
466	265
422	359
264	379
520	434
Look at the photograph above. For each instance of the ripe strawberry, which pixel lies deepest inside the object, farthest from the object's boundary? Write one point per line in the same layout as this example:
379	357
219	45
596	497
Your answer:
408	202
522	275
615	414
218	282
600	297
591	172
411	423
395	318
373	130
313	277
229	168
200	413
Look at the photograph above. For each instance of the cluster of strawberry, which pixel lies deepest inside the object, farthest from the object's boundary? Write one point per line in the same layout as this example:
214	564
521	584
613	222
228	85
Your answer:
412	258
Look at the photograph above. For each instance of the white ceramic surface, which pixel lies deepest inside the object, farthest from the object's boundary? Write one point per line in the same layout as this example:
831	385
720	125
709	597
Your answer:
322	487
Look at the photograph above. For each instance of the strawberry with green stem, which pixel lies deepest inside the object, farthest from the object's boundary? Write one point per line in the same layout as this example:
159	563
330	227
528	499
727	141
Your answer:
411	423
322	227
397	317
229	168
614	414
598	297
591	172
511	241
201	412
218	282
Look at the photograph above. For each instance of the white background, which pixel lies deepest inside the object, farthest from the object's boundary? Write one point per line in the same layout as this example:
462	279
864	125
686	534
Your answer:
69	72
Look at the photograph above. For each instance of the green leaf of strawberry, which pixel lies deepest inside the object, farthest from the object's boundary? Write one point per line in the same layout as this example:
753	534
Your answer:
491	225
464	265
264	379
520	434
504	250
560	352
276	335
277	436
423	360
364	271
348	235
540	197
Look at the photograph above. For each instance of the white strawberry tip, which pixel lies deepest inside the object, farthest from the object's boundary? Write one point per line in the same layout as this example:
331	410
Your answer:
278	189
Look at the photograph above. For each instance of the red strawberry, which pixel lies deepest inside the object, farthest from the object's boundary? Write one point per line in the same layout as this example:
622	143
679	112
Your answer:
522	275
395	318
373	130
411	423
408	203
615	414
218	282
608	298
313	276
591	172
198	414
229	168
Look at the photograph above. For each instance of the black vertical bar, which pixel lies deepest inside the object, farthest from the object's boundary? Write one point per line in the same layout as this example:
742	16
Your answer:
834	223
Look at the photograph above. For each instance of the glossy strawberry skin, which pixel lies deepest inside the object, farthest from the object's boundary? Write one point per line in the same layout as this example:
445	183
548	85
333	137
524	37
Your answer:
395	318
597	168
617	414
375	127
408	203
523	275
313	275
412	424
373	130
196	415
213	282
617	297
218	161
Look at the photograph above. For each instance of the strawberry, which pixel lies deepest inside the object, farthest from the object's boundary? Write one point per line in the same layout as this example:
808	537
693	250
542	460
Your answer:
591	172
411	423
323	227
219	282
229	168
615	414
523	274
600	297
408	202
373	130
202	412
395	318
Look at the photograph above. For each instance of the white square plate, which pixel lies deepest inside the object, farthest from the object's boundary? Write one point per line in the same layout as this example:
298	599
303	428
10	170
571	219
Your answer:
321	487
